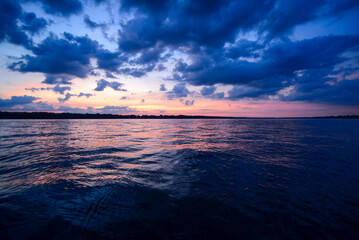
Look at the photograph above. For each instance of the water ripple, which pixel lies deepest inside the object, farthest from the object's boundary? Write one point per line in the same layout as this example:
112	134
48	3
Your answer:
168	179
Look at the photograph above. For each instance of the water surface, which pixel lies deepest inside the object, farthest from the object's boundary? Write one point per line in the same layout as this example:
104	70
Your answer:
179	179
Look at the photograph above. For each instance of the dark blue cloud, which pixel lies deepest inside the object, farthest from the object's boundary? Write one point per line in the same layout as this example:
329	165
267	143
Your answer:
61	90
179	91
163	87
208	23
286	14
62	58
62	8
92	24
208	90
213	23
57	79
137	71
151	55
275	69
32	24
206	31
10	12
109	61
150	6
238	92
160	67
243	48
33	89
322	87
102	84
110	75
16	101
100	1
188	103
34	106
66	98
96	74
54	55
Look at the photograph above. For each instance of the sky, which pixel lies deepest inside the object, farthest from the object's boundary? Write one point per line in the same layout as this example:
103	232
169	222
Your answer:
260	58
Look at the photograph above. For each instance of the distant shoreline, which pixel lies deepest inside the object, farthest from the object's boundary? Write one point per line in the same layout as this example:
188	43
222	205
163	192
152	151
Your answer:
50	115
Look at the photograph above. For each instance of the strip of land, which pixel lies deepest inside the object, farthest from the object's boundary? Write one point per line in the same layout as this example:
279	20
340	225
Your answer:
51	115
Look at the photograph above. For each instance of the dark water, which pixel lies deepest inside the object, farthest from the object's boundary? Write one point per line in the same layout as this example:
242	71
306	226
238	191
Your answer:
179	179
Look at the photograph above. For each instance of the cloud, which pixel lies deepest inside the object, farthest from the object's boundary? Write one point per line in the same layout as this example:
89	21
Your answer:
183	23
66	98
275	69
56	89
280	59
188	103
63	8
46	107
96	74
151	55
10	13
87	95
102	84
137	71
61	90
207	33
213	23
70	109
70	56
92	24
218	95
208	90
33	89
16	101
32	24
57	79
324	89
245	44
109	75
163	87
160	67
179	91
109	61
32	107
238	92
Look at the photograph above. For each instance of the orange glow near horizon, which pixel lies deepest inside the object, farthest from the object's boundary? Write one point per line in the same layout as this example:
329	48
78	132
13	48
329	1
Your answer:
156	103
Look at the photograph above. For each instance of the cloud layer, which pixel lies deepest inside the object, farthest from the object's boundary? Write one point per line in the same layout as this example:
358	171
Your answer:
247	46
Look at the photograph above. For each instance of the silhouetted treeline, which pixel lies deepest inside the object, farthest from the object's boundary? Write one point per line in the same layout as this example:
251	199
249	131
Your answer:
50	115
343	116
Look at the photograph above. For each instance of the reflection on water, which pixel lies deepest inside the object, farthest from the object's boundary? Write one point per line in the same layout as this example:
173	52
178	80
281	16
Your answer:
179	179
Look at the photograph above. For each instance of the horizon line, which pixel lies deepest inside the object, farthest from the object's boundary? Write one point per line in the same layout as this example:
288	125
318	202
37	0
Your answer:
71	115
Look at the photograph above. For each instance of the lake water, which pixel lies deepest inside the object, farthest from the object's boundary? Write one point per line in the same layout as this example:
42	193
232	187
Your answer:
179	179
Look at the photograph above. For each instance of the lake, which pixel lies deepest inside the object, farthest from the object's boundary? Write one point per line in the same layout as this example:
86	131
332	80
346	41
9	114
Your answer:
179	179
